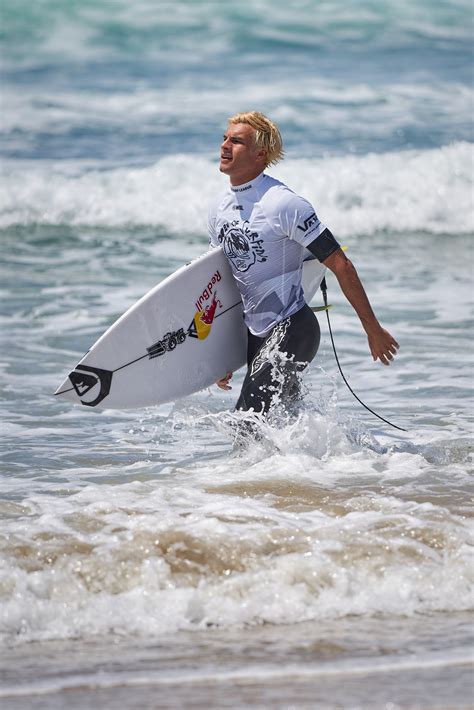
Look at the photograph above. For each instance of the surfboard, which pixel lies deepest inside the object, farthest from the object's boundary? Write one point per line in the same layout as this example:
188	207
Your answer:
179	338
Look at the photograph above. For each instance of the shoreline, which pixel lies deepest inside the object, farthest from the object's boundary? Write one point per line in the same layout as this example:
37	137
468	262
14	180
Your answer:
422	662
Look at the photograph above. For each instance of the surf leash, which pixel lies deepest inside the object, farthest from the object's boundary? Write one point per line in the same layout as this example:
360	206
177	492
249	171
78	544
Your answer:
326	308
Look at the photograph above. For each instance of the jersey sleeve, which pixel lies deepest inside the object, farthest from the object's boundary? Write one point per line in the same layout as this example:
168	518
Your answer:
300	222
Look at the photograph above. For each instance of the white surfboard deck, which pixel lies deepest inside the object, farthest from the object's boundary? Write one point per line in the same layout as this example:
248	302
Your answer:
181	337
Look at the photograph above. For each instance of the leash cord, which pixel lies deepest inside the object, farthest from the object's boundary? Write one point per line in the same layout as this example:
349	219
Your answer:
324	292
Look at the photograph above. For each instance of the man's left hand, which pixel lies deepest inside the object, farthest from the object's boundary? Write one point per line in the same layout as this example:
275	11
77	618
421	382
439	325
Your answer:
382	345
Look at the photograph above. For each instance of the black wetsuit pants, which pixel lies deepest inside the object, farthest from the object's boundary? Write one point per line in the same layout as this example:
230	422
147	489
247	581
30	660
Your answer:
275	361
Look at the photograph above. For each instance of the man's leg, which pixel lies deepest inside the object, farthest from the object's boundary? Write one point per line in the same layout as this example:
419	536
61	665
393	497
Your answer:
274	362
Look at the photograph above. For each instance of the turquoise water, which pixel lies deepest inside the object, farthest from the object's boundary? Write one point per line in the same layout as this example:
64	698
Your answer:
329	565
108	81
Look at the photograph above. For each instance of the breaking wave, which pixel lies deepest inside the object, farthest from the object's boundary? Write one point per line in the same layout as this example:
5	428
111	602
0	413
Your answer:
427	191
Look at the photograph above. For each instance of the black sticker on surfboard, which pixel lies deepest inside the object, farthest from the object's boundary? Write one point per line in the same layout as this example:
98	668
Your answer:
86	380
167	343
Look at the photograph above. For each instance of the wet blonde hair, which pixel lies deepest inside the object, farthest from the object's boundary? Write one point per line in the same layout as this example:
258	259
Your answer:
267	135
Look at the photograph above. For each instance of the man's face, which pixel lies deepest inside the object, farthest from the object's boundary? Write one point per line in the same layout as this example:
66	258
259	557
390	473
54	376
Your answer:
241	158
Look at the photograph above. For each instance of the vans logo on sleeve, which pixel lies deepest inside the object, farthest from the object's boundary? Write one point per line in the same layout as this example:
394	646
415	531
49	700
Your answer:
309	222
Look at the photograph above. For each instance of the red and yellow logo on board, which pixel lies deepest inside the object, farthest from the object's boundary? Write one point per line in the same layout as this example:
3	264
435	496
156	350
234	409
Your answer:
203	319
201	323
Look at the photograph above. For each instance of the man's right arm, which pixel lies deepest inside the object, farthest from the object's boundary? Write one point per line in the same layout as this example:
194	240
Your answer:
211	226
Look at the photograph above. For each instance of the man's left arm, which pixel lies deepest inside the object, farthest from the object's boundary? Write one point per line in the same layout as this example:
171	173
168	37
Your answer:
383	346
303	225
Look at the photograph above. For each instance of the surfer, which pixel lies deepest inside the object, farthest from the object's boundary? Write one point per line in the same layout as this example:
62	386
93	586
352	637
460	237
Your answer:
266	231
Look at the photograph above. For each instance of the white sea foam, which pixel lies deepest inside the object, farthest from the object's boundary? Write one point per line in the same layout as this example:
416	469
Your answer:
407	191
282	537
353	106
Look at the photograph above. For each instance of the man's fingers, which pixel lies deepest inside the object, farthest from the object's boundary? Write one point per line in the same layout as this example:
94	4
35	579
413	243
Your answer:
385	357
383	348
223	383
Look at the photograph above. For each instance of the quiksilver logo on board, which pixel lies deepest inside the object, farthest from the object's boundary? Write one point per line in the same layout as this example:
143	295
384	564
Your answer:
92	384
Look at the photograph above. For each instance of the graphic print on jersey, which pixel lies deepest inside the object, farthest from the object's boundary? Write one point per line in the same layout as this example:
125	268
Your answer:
241	246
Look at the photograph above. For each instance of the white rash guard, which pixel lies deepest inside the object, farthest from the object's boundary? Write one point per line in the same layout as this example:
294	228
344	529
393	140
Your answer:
264	229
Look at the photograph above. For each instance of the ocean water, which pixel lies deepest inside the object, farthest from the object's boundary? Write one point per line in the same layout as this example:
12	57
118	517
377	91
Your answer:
143	561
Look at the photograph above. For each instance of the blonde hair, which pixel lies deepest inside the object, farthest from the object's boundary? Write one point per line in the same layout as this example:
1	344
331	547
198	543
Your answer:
267	135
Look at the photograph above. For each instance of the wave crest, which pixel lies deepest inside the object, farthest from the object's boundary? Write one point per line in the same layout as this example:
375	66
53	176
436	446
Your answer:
415	191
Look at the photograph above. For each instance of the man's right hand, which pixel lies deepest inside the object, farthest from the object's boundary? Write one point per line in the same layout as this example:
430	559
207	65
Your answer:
223	383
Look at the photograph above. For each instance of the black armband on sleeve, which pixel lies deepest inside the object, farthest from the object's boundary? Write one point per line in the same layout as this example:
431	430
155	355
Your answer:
324	245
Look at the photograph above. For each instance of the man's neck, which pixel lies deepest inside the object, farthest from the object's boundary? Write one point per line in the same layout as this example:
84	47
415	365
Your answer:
243	179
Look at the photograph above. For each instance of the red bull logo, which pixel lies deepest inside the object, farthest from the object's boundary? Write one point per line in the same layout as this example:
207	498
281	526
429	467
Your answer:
207	315
201	324
208	291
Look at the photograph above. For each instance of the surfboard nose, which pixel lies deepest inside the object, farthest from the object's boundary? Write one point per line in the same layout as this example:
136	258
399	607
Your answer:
90	384
66	390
